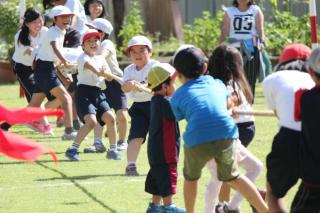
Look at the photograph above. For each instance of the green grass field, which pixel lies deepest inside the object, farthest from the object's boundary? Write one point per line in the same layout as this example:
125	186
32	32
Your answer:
95	184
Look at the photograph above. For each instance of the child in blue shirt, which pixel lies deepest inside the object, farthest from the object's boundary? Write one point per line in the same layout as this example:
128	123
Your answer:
210	131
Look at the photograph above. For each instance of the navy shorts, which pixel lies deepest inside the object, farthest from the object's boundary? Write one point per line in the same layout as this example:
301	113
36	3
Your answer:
247	131
283	162
162	180
91	100
140	120
45	77
116	98
306	199
73	86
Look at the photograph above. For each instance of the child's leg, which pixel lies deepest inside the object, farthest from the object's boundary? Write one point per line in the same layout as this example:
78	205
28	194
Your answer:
90	122
213	188
66	103
190	194
249	191
122	121
109	120
224	194
253	168
156	199
275	204
133	150
97	133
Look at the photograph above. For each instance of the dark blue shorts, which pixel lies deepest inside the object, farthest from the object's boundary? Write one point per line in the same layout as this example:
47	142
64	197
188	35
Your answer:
116	98
140	120
246	132
306	199
91	100
162	180
45	77
283	161
73	86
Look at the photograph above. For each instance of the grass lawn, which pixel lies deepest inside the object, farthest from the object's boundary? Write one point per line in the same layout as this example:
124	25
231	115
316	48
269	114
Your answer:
95	184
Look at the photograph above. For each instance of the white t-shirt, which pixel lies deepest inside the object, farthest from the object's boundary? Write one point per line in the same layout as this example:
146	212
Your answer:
131	73
19	49
77	8
46	52
279	89
243	106
243	23
111	57
88	77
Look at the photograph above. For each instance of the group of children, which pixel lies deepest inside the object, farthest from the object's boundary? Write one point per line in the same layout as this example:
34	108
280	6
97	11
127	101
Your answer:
214	136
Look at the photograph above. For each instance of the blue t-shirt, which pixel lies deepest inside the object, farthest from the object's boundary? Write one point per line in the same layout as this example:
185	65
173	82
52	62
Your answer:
203	103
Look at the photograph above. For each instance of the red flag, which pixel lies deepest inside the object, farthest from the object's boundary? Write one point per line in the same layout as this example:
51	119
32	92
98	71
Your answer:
20	148
27	114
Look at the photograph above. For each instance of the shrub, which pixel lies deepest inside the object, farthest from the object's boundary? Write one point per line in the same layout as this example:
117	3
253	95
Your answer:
132	25
204	32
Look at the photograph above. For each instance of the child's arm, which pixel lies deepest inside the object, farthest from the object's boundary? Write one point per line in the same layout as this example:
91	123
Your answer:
100	72
59	55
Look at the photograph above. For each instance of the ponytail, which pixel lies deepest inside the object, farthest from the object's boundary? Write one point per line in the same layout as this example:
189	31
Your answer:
30	15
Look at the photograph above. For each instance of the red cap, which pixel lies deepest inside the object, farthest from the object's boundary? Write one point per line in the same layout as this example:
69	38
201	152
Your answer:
89	34
294	52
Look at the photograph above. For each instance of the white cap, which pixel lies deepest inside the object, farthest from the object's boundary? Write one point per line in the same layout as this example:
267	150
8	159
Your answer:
89	34
60	10
314	60
138	40
102	24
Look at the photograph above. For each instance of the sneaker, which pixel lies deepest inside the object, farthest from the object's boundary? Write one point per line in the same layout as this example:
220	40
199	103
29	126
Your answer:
121	145
152	208
263	194
173	209
71	136
72	154
95	148
47	129
227	210
113	155
219	209
131	170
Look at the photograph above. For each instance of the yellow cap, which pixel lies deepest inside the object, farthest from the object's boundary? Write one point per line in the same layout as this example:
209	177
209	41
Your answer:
159	73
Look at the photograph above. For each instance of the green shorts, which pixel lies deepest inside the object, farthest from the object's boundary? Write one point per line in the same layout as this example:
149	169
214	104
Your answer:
196	157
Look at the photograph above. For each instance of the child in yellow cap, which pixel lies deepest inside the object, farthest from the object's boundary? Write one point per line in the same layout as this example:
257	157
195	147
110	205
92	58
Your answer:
163	141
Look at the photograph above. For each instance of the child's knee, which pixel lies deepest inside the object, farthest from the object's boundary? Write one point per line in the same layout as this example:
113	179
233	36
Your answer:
90	121
108	118
121	117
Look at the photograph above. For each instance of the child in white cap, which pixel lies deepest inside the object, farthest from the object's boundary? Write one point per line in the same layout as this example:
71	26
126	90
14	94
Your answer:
116	98
74	6
308	196
91	103
135	75
49	55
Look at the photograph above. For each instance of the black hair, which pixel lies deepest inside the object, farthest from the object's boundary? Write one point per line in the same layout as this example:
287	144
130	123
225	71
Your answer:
159	87
106	35
236	4
226	64
86	8
30	15
298	65
47	4
190	62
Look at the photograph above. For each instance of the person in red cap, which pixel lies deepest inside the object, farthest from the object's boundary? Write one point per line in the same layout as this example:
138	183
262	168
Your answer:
91	103
280	90
308	196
